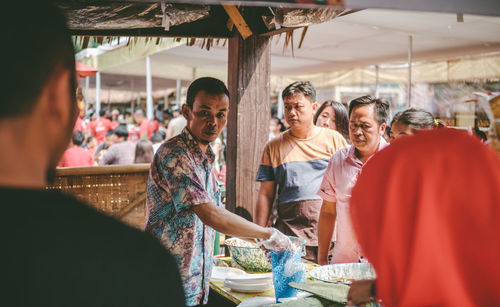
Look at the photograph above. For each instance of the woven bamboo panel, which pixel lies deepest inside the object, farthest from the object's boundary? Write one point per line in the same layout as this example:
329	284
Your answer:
118	191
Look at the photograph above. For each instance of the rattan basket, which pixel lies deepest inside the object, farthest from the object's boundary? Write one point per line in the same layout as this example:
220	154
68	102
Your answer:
116	190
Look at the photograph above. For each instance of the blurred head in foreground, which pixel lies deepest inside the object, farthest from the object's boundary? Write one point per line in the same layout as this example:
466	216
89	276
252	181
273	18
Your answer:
426	212
38	108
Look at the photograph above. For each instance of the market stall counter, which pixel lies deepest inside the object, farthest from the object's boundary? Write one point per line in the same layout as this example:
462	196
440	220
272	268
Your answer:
227	266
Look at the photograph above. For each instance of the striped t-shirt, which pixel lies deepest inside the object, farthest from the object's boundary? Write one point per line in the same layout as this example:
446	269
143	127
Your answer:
298	165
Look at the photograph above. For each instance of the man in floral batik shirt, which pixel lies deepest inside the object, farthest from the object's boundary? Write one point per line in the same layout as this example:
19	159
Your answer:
183	200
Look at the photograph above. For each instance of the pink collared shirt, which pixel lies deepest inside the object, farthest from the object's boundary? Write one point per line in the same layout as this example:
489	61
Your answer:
338	181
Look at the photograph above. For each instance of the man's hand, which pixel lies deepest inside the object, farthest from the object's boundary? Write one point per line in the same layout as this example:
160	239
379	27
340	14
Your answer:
360	292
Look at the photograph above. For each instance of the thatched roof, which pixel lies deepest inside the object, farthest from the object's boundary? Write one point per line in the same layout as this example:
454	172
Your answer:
155	18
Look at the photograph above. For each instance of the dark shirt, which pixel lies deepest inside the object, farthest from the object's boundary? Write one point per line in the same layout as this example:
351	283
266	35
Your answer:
102	146
57	251
119	154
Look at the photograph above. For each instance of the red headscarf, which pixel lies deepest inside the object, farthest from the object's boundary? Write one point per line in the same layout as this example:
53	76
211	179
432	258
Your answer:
426	211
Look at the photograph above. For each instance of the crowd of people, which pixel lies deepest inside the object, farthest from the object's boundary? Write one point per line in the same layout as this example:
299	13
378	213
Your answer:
366	118
332	232
421	208
118	139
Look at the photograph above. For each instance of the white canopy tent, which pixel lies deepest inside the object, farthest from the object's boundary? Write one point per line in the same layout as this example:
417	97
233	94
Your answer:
343	51
368	37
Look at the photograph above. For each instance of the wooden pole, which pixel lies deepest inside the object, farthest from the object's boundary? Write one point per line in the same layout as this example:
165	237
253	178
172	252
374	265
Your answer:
248	120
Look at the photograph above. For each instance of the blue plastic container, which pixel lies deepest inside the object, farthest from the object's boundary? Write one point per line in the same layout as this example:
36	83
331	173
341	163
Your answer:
281	287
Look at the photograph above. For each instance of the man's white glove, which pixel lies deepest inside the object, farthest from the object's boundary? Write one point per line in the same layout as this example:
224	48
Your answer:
277	242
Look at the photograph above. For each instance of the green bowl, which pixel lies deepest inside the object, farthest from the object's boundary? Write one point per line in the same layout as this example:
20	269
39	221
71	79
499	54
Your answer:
251	257
248	255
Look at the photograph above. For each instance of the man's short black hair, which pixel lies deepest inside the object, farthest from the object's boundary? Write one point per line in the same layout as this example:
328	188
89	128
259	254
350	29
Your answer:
78	138
380	107
102	112
109	132
39	43
209	85
121	131
300	87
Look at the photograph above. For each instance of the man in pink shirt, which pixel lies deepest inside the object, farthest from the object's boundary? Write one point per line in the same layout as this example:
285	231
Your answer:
367	123
75	155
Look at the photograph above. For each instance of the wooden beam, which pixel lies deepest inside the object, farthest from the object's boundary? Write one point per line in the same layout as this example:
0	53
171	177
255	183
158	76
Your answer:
238	20
248	121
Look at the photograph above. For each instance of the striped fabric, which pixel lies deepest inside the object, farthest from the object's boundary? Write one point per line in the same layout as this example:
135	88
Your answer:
297	165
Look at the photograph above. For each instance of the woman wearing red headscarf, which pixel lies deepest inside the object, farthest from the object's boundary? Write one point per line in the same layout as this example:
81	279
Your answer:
426	211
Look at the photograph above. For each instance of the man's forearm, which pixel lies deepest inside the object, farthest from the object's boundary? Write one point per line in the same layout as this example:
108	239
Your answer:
229	223
326	225
263	210
240	227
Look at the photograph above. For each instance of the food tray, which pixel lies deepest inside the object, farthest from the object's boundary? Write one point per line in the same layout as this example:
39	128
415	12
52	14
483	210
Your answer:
343	272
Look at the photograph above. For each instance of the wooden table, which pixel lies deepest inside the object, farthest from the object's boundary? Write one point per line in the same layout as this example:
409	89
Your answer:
237	297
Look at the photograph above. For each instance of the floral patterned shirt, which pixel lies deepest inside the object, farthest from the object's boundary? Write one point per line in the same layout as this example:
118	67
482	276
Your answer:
181	177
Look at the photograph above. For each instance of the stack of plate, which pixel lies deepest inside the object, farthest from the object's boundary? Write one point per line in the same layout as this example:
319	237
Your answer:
250	283
240	281
221	273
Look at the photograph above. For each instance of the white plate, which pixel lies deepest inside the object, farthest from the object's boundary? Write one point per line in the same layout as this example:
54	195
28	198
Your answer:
221	273
256	287
251	278
343	272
